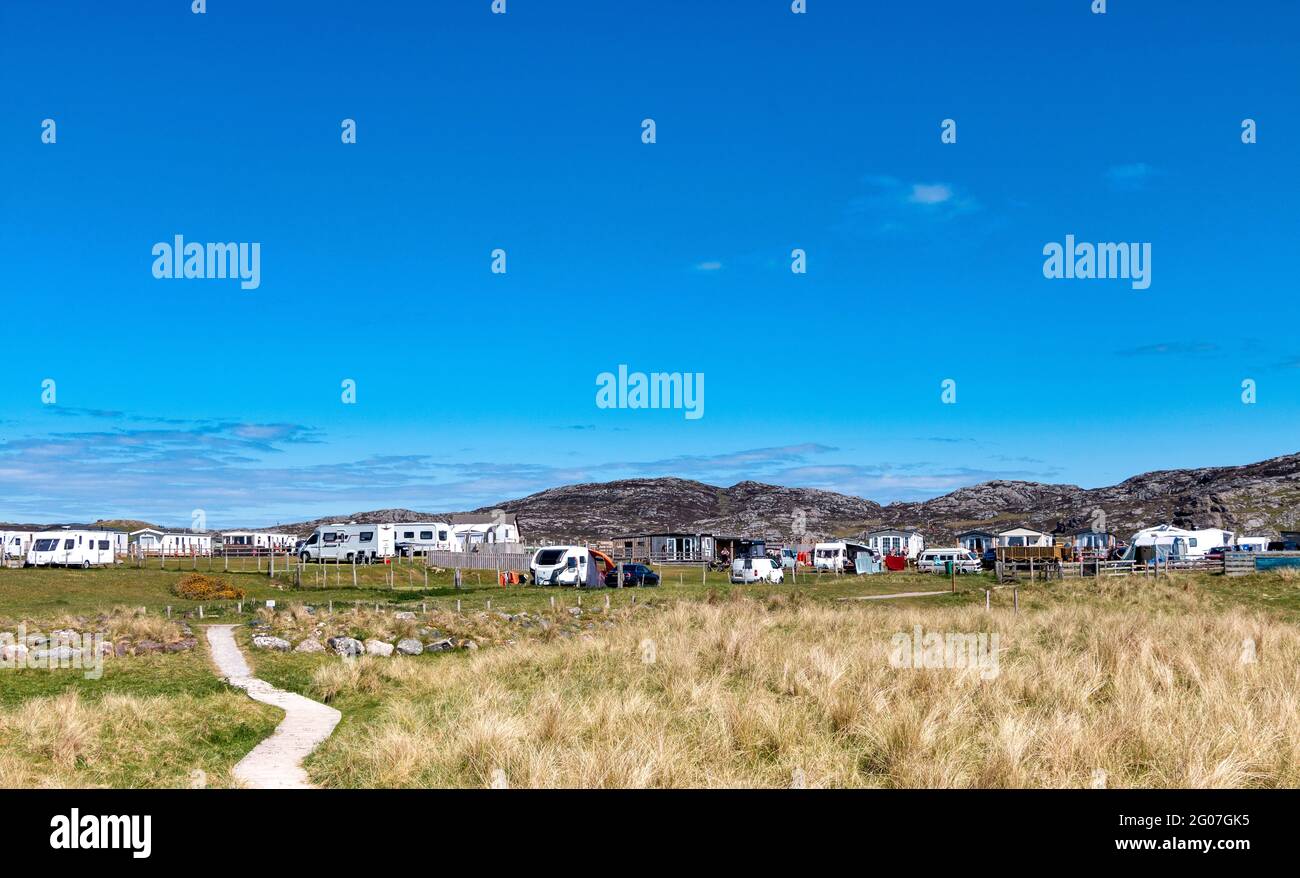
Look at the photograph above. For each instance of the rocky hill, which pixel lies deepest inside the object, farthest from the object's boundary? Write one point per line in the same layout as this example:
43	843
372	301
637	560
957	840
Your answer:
1256	498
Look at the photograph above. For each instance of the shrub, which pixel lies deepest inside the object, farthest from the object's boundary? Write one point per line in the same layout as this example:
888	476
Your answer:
199	587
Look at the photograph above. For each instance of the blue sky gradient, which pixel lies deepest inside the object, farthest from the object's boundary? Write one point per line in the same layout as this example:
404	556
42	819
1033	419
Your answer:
523	131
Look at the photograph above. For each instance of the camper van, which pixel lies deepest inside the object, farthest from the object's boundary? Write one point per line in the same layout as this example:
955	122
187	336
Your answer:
71	548
566	565
749	570
1168	543
937	560
839	556
348	543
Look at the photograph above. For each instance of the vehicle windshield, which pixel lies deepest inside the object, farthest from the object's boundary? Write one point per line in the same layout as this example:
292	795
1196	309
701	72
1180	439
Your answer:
548	557
45	545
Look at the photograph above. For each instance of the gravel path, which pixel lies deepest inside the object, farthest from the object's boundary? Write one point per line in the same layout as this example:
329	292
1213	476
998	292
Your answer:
901	594
276	763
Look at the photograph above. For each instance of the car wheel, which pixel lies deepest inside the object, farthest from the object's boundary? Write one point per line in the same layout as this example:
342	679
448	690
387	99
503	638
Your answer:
85	565
304	557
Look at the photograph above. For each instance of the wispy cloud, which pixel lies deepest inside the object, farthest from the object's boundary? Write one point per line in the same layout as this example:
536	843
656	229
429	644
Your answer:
1172	348
711	265
893	206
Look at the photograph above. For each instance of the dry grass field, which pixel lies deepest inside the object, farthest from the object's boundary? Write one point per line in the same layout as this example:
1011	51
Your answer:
1183	681
1137	684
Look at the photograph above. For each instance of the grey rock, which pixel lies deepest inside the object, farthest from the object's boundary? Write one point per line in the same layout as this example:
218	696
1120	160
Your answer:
311	644
410	646
279	644
379	648
442	645
347	646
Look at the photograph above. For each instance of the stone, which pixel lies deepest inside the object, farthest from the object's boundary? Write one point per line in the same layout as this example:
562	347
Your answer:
55	654
347	646
311	644
13	652
265	641
378	647
404	616
575	611
122	648
442	645
183	645
469	644
410	646
147	646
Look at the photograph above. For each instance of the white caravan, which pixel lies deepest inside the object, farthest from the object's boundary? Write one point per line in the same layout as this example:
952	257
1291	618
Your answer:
1253	544
420	537
565	565
1178	543
71	548
838	556
15	543
362	543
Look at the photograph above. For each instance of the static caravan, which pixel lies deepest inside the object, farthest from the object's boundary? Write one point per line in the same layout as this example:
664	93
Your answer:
977	541
151	541
1166	542
362	543
839	556
566	565
257	541
1022	536
473	529
71	548
908	543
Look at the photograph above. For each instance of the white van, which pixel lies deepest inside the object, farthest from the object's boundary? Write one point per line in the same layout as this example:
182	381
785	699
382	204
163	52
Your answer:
348	543
838	556
749	570
71	548
936	560
565	565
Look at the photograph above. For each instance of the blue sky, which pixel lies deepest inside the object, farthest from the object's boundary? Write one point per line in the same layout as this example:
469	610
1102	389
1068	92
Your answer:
523	131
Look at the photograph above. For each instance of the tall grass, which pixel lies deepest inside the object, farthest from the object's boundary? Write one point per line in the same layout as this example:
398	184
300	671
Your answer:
742	693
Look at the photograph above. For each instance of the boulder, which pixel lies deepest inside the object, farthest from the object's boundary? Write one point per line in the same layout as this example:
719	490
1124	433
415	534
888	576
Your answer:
55	654
147	646
442	645
265	641
347	646
122	648
378	647
13	652
404	616
311	644
185	644
469	644
410	646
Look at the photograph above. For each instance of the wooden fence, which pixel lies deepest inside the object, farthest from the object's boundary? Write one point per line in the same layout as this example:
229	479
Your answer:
1246	563
493	560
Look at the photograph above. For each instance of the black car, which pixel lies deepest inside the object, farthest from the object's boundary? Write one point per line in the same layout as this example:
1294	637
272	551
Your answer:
633	575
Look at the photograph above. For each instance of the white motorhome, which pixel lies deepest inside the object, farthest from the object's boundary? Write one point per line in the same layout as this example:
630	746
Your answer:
1165	541
566	565
346	543
419	537
838	556
71	548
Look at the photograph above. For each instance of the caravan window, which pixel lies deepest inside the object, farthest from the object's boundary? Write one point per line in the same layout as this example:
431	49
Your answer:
45	545
68	544
442	535
331	537
426	534
1191	541
103	545
366	536
408	535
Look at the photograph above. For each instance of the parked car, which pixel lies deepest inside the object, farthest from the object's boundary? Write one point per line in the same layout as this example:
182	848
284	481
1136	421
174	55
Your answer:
749	570
633	575
937	560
